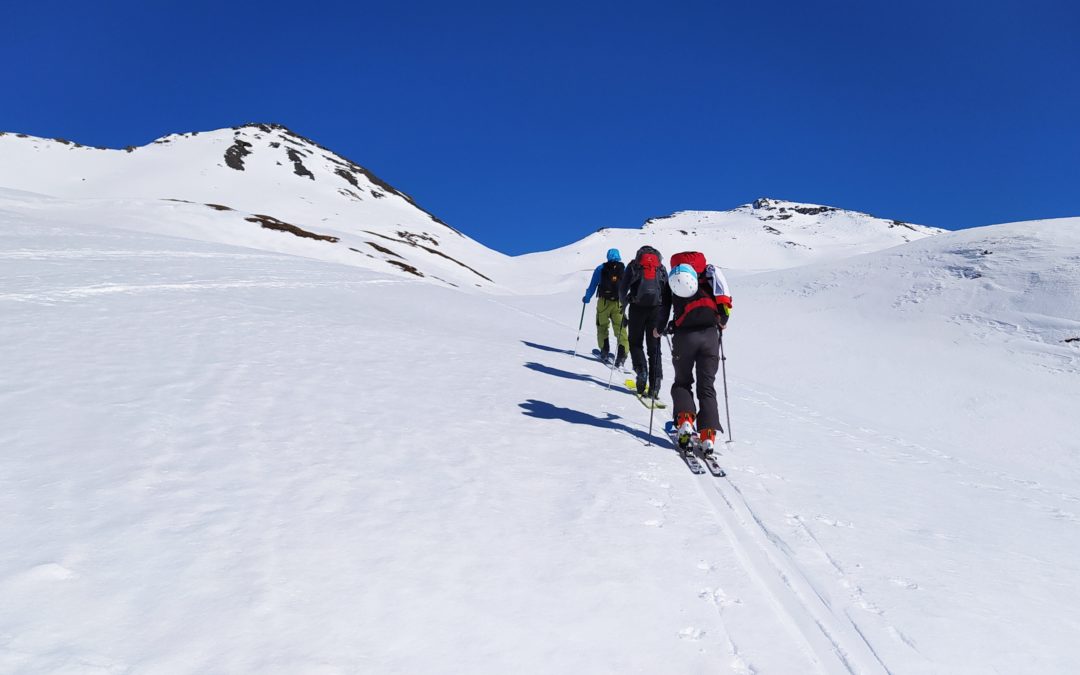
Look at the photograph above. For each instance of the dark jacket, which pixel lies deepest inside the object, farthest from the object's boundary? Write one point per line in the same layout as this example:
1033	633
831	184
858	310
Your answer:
710	306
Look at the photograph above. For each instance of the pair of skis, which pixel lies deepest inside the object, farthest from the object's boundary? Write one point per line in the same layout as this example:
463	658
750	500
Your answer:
690	454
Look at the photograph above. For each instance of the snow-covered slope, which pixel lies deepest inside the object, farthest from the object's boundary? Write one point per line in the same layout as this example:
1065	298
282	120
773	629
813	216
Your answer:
229	446
765	235
223	459
259	176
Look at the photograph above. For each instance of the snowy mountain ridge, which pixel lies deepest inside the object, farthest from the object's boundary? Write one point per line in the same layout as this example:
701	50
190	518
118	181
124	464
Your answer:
259	175
266	176
766	234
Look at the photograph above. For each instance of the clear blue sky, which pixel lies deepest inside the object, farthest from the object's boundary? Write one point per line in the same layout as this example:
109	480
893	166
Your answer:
528	125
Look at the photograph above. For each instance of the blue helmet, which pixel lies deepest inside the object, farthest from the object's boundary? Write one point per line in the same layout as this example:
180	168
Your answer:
613	255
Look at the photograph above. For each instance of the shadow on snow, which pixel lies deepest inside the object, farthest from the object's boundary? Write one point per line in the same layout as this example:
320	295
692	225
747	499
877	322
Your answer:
616	382
547	411
588	356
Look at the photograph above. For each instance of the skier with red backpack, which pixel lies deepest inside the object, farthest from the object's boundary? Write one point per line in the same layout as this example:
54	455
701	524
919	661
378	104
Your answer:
701	300
605	283
644	293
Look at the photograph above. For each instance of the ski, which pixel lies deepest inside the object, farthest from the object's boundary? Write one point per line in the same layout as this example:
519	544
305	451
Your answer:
714	468
654	403
632	386
687	455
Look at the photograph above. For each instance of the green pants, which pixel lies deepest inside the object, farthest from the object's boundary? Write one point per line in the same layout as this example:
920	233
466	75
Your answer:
610	311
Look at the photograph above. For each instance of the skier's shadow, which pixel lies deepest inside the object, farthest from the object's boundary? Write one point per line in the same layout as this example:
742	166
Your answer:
616	383
546	348
547	411
555	350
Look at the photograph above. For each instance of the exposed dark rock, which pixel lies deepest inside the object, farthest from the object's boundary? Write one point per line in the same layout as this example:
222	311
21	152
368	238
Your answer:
383	249
275	144
783	216
408	268
770	229
412	237
296	138
272	223
430	250
129	148
812	210
298	167
234	156
347	175
1075	339
219	207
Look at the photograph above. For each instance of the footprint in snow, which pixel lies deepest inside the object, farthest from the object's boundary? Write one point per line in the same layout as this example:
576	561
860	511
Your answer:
905	583
691	633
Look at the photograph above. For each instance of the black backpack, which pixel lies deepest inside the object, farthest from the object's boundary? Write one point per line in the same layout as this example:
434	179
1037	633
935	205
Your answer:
648	276
610	274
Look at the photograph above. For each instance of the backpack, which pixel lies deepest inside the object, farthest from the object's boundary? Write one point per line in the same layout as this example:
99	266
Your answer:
649	277
610	274
701	309
692	258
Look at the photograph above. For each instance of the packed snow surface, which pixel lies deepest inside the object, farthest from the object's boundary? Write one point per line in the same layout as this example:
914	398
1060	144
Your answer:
244	455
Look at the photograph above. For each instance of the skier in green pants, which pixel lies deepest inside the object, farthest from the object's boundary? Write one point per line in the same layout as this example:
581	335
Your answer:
605	283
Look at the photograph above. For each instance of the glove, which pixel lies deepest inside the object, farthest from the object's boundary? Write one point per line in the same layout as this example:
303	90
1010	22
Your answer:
585	300
670	328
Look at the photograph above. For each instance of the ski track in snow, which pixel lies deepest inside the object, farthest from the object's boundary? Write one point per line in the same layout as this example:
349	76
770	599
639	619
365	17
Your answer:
816	620
894	448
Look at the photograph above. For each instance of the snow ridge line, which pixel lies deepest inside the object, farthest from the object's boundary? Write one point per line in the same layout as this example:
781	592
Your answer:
835	645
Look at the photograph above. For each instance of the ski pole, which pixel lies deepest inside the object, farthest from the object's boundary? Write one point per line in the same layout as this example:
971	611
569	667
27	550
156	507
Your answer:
655	395
723	365
579	325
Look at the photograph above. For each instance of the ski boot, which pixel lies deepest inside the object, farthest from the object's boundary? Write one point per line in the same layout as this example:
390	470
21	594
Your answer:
654	388
707	441
620	358
684	425
641	381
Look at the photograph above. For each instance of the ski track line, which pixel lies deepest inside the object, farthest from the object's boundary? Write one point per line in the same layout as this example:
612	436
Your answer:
835	645
891	447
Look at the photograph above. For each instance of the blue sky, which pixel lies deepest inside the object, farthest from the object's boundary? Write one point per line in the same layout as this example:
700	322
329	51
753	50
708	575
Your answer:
529	125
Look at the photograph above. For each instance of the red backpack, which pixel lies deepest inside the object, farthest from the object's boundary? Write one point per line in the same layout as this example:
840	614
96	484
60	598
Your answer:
648	292
692	258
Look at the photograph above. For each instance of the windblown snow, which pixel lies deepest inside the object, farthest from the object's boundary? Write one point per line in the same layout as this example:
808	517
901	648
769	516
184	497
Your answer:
230	447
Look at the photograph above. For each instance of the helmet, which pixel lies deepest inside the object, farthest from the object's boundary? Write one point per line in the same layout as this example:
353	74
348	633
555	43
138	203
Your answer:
683	281
613	255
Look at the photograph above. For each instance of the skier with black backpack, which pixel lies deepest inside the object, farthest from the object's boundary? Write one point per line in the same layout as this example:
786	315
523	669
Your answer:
644	294
605	283
701	301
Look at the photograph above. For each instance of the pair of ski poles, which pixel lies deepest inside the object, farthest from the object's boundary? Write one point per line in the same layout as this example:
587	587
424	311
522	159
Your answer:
652	409
723	366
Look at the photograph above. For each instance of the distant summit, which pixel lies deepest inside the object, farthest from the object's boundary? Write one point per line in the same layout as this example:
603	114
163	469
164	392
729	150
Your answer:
263	174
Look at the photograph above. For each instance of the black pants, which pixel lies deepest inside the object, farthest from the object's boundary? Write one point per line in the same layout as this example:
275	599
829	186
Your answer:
700	349
642	320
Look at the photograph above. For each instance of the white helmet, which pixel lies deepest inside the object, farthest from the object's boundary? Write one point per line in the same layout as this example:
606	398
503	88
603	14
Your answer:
683	281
